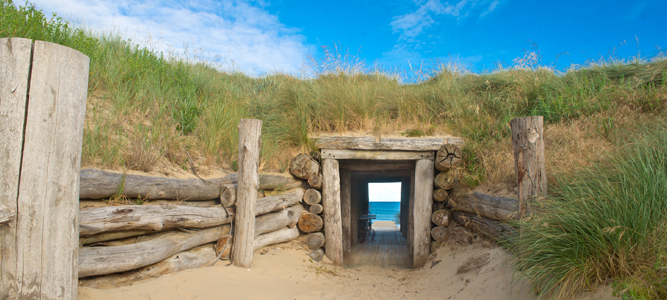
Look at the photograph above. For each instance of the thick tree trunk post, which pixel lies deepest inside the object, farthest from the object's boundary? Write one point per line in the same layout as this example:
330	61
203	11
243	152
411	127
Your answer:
250	131
423	205
346	209
14	72
40	245
333	230
527	138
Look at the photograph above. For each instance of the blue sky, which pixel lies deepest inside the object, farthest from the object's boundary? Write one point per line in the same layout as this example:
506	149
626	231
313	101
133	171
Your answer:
259	37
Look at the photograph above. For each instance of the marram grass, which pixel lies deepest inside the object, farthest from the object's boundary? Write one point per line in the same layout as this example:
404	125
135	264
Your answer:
606	222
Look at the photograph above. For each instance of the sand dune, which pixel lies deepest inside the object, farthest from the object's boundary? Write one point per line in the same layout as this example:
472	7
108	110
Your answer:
285	272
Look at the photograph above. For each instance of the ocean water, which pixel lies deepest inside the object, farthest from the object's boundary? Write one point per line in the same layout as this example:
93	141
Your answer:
385	211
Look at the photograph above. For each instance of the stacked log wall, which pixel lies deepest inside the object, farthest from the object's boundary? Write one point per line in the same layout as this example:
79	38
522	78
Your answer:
179	218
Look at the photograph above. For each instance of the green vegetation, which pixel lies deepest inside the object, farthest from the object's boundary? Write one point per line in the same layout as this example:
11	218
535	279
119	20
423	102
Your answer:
144	106
606	220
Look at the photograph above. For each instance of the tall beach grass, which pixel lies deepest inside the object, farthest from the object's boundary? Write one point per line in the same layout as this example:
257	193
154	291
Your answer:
146	107
605	222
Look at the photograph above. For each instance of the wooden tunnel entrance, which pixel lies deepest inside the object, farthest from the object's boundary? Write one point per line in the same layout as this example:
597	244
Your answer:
383	247
349	164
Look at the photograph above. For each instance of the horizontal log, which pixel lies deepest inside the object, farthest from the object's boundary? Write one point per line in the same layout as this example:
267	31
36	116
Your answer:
156	247
109	236
277	220
162	217
228	195
491	228
488	206
279	182
316	255
108	260
377	155
315	181
276	237
190	259
149	217
304	166
370	143
316	209
98	184
315	240
312	196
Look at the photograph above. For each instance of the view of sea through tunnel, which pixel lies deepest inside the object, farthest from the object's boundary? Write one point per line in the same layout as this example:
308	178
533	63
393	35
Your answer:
379	208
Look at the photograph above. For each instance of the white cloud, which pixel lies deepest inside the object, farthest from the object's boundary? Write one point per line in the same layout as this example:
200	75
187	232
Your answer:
254	40
491	8
413	24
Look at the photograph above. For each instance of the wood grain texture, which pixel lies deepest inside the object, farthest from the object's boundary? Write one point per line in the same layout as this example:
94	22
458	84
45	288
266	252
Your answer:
155	247
441	217
250	131
333	229
309	222
304	166
228	195
377	155
278	220
448	157
528	142
276	237
194	258
370	143
422	210
315	240
100	220
375	165
346	209
489	206
109	236
316	209
99	184
149	217
315	181
48	194
107	260
14	71
312	196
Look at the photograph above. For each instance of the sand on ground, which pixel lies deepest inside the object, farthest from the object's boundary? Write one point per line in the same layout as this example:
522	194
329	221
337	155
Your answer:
285	272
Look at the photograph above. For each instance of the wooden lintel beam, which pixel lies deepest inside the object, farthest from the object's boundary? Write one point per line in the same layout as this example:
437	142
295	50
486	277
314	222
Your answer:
378	155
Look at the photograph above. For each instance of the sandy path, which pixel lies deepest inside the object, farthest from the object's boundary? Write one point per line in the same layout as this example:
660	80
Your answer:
286	273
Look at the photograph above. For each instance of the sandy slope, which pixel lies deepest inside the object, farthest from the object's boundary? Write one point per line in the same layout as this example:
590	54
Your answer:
284	272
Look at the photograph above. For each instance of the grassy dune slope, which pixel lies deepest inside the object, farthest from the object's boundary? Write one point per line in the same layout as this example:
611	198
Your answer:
145	108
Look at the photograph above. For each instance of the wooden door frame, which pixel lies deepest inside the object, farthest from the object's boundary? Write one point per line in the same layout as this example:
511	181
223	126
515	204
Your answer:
421	201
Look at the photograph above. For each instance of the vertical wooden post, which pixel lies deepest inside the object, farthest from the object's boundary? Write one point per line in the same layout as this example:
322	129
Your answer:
529	161
423	206
346	209
333	230
250	131
411	216
39	258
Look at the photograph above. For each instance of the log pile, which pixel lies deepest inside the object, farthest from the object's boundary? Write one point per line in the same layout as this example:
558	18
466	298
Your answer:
308	168
120	244
457	215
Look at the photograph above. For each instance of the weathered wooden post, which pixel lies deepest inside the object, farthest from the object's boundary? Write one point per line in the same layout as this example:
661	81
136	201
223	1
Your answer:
333	228
422	208
43	89
529	161
250	131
